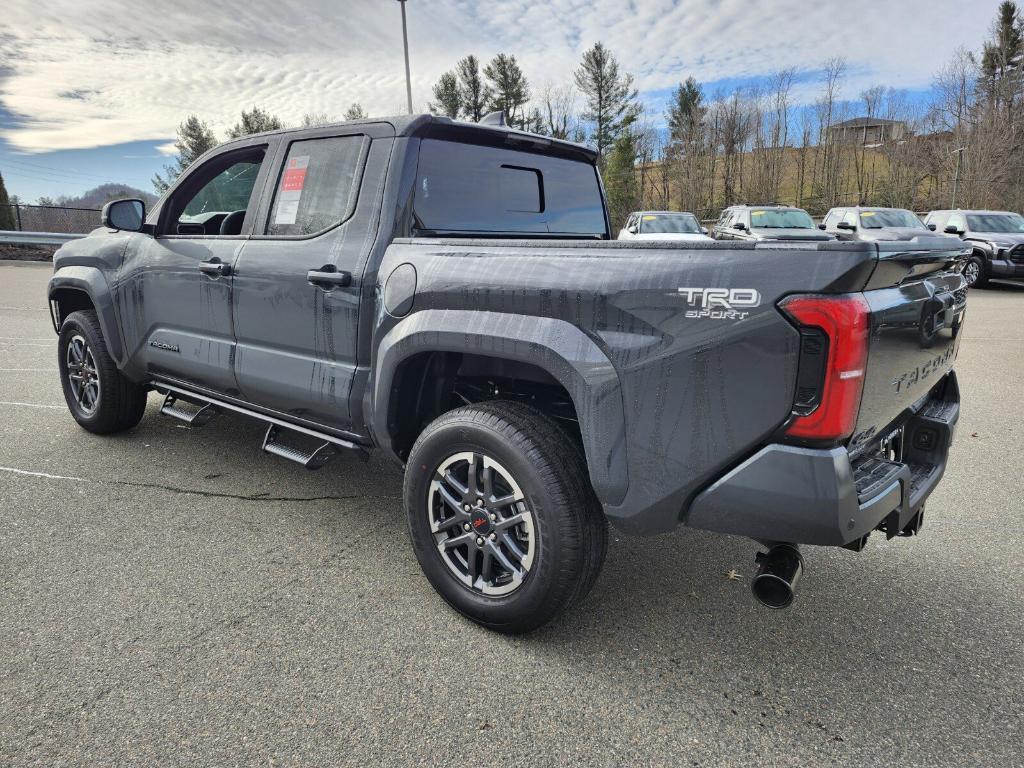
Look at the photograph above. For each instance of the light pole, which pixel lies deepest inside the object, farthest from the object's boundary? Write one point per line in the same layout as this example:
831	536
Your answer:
405	43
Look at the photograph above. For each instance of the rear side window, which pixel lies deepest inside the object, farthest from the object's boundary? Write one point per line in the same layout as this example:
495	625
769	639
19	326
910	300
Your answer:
467	188
317	187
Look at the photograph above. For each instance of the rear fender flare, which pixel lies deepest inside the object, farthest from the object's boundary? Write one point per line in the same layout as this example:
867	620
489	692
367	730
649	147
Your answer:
556	346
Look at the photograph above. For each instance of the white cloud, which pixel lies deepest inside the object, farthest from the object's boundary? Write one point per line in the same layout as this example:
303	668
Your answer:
92	74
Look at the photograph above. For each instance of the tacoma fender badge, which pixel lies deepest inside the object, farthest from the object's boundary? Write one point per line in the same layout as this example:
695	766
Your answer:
165	345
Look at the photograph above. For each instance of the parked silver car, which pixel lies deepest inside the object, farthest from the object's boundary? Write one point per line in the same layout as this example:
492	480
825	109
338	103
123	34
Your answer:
766	222
662	225
873	224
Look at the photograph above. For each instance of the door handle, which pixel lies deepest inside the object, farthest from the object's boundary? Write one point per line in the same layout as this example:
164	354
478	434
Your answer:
215	267
329	276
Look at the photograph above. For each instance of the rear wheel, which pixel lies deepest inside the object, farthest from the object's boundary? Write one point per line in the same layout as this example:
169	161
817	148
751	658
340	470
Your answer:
501	515
974	272
99	397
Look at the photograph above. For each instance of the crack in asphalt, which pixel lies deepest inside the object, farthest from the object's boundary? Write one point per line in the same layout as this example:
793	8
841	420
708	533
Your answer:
242	496
197	492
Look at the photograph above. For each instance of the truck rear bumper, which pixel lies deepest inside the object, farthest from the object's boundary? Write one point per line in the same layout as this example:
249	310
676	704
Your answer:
822	496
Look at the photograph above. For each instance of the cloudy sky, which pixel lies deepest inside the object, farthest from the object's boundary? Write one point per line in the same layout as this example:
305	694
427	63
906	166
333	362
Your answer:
92	90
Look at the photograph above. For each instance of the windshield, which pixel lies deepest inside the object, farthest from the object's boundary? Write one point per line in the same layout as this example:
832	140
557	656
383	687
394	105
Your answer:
662	223
995	222
781	218
891	218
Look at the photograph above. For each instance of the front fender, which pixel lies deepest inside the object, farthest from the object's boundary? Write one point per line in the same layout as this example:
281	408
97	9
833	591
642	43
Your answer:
559	347
91	282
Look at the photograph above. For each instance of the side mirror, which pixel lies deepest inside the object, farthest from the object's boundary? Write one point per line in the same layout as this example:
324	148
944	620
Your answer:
847	226
704	230
127	215
821	227
952	229
931	227
740	226
634	229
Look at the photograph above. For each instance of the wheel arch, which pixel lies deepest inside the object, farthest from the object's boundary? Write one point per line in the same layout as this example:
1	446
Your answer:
548	350
79	288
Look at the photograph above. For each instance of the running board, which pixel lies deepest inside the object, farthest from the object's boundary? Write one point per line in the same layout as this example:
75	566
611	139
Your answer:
315	459
198	418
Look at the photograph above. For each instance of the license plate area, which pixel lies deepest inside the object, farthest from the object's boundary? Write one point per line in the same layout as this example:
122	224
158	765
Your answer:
891	444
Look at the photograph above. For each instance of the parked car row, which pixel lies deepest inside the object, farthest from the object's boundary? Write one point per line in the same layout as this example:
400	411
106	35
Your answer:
994	239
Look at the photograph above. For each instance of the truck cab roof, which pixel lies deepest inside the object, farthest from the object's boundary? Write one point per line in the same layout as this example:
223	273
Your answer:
437	126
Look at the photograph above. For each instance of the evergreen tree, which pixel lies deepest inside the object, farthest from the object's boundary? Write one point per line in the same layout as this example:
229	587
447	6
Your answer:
257	120
1002	59
194	138
620	179
355	112
447	97
473	92
685	112
509	89
611	97
7	219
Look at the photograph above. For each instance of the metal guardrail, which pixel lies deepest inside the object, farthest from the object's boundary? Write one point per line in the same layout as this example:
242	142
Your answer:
37	238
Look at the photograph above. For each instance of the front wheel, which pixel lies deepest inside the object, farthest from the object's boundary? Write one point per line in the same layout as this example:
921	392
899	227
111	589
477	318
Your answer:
99	397
974	273
501	515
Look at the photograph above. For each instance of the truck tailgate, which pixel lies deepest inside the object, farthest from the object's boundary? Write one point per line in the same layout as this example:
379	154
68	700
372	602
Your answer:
917	300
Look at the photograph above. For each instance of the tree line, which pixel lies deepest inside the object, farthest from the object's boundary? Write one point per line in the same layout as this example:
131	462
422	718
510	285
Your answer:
961	147
757	143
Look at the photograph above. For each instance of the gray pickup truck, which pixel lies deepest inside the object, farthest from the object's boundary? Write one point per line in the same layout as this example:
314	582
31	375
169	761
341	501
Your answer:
449	294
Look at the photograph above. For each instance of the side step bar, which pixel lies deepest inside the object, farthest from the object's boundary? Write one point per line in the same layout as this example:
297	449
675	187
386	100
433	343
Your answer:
319	456
330	445
198	418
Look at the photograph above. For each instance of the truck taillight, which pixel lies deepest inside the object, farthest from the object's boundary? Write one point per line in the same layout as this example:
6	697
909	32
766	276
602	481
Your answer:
845	324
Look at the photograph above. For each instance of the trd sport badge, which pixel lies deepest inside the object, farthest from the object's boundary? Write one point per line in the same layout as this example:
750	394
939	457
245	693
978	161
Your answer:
720	303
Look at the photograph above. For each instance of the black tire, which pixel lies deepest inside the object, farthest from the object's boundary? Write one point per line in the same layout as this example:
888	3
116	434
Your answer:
978	263
570	533
119	404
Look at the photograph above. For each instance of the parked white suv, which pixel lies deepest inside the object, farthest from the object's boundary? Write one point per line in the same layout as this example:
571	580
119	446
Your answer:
662	225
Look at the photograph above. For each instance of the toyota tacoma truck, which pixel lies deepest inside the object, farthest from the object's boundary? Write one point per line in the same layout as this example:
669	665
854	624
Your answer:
449	294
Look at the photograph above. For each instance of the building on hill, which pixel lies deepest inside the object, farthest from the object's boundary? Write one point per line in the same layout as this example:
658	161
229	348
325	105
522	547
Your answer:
868	131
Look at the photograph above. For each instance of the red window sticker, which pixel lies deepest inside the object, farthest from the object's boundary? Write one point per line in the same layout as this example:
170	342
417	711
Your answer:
292	182
295	174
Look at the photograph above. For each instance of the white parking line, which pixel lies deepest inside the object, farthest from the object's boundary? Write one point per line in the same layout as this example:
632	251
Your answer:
36	370
14	471
26	344
29	338
31	405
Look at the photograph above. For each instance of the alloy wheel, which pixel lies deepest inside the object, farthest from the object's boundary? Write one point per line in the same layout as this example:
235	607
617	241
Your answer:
481	522
82	374
972	272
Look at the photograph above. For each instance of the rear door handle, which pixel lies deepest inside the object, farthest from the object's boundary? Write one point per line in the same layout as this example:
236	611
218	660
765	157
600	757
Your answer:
215	267
329	276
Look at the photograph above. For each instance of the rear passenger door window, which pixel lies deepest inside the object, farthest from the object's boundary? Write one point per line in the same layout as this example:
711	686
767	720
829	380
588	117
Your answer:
317	187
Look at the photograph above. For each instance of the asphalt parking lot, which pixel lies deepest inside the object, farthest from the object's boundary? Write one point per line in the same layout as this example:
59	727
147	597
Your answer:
178	597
